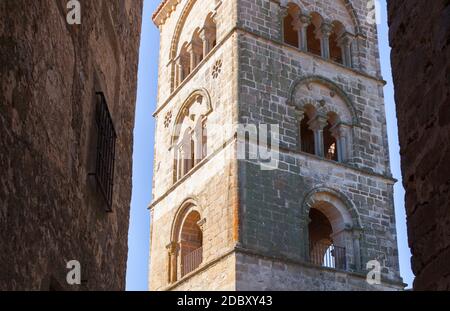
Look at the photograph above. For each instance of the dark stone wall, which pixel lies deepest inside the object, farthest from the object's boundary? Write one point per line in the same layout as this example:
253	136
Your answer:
420	40
50	210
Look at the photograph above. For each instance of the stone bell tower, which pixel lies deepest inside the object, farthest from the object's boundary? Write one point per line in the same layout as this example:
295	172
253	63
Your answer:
323	216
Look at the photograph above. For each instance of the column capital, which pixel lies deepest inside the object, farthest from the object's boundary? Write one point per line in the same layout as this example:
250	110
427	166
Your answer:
305	19
340	129
202	33
326	28
206	33
346	39
283	11
201	223
318	123
357	233
336	131
301	21
299	113
189	47
172	248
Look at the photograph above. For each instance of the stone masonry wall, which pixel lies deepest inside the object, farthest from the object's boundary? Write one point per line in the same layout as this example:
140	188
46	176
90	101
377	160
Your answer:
212	184
266	274
50	210
267	218
272	221
419	36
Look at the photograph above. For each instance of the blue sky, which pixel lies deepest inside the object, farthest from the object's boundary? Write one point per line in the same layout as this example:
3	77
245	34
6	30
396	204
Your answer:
139	232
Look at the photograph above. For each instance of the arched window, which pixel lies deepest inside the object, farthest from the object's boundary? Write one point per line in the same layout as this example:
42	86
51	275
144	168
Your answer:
191	242
330	142
325	118
322	249
186	246
290	25
336	51
190	139
197	48
312	33
332	240
190	55
184	63
210	30
306	135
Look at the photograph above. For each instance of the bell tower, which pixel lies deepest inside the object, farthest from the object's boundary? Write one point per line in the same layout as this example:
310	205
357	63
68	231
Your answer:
322	217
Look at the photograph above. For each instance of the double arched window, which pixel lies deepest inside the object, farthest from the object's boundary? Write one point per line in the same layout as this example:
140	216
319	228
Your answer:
189	139
325	119
191	53
312	33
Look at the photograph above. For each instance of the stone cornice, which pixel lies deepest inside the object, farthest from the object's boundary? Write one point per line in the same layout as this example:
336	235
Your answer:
164	11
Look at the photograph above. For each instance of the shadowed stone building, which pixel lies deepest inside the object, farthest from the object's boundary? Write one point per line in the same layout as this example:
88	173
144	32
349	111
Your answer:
223	221
420	40
67	100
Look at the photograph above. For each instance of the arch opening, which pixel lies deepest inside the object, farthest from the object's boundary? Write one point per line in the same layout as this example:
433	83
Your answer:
191	242
323	250
333	230
290	22
336	50
186	246
312	34
189	138
306	136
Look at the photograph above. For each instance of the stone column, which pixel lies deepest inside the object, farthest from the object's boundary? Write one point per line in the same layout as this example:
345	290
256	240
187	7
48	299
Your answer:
206	42
299	115
178	71
172	249
305	249
357	233
181	161
302	27
317	125
340	146
325	32
201	224
179	261
198	138
345	43
344	239
283	13
191	51
204	139
184	156
341	132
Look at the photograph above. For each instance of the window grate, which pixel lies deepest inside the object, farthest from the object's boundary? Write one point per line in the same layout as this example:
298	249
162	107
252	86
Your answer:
326	255
191	261
106	144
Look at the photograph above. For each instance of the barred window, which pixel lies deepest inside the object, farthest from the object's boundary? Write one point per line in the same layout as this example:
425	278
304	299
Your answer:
106	144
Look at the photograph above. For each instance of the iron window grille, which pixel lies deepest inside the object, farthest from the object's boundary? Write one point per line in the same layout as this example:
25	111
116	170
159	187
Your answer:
330	256
106	145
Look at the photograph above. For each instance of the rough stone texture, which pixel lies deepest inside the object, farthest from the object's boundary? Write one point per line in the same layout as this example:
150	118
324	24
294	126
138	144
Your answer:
266	274
50	210
262	216
420	40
